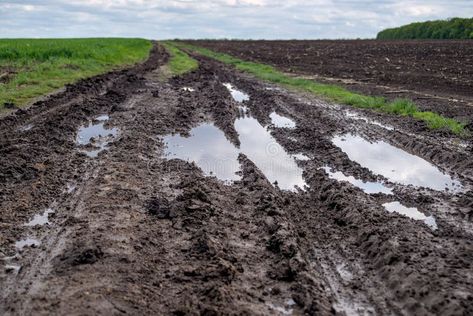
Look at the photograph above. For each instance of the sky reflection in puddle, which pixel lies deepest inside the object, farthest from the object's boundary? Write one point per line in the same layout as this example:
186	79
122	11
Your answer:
97	135
411	212
268	155
357	116
281	121
367	187
27	242
41	219
208	148
215	155
394	163
237	95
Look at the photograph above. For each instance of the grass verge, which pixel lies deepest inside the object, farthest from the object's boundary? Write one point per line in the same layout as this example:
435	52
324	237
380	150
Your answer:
33	67
179	62
335	93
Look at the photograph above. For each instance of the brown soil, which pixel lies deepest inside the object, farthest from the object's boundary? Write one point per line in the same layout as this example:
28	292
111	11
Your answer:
141	234
437	75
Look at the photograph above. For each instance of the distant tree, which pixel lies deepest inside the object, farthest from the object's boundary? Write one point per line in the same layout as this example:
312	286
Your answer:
452	28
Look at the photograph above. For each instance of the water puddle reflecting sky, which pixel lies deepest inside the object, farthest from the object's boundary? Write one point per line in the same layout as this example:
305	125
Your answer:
208	148
41	219
357	116
411	212
97	135
237	95
301	157
395	164
367	187
281	121
268	155
26	128
70	187
27	242
215	155
287	309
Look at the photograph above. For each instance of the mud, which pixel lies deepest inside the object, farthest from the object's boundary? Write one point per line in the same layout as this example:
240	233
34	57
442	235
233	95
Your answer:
437	75
138	231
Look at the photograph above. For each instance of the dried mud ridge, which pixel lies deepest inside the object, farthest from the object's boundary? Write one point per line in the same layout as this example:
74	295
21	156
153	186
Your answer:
135	233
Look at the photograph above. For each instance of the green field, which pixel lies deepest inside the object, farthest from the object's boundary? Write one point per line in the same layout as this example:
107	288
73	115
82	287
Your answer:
335	93
455	28
33	67
179	62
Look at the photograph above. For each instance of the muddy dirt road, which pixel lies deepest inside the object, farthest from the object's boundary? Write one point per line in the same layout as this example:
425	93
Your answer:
437	75
215	193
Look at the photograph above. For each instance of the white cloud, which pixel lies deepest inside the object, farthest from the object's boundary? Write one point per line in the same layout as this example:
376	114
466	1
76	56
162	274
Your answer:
416	10
218	18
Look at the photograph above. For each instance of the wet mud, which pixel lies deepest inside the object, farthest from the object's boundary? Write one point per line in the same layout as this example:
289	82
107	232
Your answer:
436	75
181	213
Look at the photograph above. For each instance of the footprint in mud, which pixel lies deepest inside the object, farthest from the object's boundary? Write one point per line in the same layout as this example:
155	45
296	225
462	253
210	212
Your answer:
95	137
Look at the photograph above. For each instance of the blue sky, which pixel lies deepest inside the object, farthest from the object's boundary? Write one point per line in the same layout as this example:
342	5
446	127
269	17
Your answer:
268	19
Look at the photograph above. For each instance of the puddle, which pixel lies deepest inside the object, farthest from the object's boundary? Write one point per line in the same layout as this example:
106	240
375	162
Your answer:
103	117
70	188
41	219
27	242
26	128
208	148
237	95
281	121
300	157
266	153
344	272
215	155
189	89
97	135
284	310
357	116
394	163
10	268
367	187
411	212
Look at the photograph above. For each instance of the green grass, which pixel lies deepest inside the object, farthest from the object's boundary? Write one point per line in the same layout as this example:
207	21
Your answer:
34	67
179	62
335	93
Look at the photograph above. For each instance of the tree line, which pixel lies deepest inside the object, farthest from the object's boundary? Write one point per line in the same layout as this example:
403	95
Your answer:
455	28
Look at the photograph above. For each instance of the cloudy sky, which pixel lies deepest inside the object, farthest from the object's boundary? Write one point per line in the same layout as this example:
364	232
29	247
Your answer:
268	19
